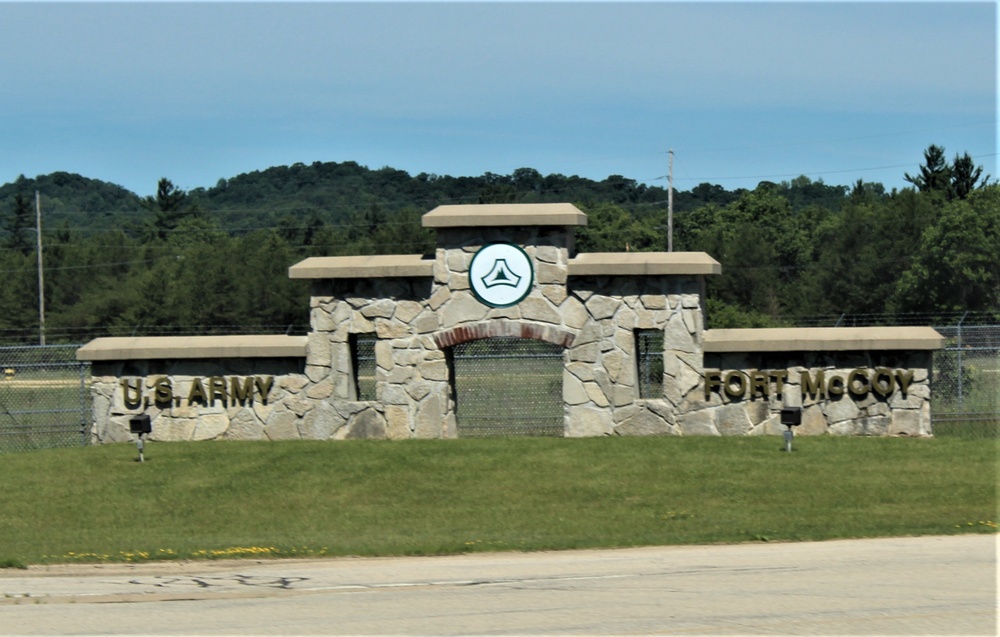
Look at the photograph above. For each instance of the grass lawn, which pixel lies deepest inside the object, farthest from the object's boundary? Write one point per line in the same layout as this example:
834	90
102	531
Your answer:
239	499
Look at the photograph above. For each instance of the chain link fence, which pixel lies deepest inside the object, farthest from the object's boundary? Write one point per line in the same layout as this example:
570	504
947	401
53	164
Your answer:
966	382
44	398
503	386
508	387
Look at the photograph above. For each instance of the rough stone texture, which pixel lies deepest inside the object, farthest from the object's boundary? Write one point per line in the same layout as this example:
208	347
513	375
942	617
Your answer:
417	320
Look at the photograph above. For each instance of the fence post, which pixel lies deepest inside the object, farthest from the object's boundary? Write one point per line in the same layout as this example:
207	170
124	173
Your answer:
958	359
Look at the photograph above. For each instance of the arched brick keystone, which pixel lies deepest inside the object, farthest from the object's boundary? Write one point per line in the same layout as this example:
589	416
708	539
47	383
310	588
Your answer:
493	329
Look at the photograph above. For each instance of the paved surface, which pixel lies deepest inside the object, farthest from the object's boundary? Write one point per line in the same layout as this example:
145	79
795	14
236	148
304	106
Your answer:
902	586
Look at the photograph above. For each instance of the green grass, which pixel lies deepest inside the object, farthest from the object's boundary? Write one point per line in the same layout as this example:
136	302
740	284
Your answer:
231	499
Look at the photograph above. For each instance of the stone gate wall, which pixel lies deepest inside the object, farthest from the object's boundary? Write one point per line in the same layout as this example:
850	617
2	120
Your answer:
419	307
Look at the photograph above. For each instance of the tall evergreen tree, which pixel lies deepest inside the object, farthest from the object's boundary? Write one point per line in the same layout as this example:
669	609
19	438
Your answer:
935	173
965	177
19	225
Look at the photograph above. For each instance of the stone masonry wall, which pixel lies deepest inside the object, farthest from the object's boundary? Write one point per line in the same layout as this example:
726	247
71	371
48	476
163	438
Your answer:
416	320
869	413
292	408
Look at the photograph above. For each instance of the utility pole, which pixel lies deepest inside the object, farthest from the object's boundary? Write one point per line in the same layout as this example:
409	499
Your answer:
670	203
41	271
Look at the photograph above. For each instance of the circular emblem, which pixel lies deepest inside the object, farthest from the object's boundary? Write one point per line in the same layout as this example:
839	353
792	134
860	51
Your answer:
501	275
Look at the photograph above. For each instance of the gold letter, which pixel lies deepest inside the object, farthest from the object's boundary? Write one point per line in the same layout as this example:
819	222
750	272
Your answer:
742	385
131	395
163	393
905	377
241	393
264	387
883	387
857	382
713	380
812	387
217	389
836	386
197	393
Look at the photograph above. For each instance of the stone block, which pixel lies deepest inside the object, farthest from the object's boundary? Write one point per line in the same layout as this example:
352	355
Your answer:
582	371
874	425
732	419
697	423
550	274
210	427
167	429
555	294
394	395
391	328
841	409
430	417
458	261
574	390
462	308
316	373
625	318
645	423
906	422
585	353
595	394
623	395
116	429
436	370
602	307
440	296
244	425
813	422
550	254
676	335
588	421
574	313
426	323
612	362
320	390
367	425
458	281
397	422
382	308
293	383
653	301
359	325
321	321
845	428
539	309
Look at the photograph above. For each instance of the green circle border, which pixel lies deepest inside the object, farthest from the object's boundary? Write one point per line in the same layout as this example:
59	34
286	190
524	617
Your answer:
531	275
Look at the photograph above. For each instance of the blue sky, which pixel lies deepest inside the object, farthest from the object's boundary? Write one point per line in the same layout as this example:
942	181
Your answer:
742	92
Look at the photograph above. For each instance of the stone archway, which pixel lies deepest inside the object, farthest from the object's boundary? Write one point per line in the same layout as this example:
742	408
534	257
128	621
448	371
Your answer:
507	386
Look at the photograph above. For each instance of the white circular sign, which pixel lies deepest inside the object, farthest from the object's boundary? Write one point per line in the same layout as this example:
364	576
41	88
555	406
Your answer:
501	274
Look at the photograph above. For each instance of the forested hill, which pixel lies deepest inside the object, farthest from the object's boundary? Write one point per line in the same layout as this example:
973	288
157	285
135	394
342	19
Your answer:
215	259
335	193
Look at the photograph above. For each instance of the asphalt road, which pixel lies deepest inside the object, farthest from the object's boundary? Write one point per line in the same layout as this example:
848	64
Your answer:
901	586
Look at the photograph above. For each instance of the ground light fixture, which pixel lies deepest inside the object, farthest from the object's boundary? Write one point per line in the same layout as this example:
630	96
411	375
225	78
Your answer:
141	426
790	417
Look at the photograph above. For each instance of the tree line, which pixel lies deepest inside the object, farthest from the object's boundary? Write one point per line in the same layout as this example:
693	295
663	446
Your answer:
216	260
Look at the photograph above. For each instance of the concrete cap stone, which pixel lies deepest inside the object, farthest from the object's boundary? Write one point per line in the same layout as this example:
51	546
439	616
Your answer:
177	347
505	214
642	263
822	339
363	267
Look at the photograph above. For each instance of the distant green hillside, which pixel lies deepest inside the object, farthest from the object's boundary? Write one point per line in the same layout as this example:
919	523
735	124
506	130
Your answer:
215	260
78	202
336	193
